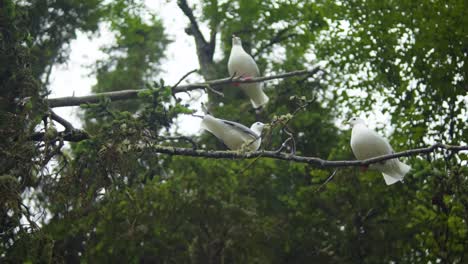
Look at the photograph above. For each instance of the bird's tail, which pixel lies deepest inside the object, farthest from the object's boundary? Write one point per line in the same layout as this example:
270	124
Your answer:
394	171
258	98
261	101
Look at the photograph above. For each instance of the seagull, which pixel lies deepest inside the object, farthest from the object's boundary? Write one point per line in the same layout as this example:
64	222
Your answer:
242	64
234	135
367	144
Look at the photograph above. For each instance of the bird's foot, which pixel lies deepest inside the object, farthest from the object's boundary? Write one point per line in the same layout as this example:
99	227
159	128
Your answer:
364	168
242	78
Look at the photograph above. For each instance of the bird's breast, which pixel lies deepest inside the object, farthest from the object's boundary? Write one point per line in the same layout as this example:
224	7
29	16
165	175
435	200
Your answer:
364	144
241	63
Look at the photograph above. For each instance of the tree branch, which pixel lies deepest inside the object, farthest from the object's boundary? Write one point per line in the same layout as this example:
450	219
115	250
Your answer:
188	139
79	135
183	78
195	29
310	160
279	37
273	42
205	50
74	135
132	94
67	125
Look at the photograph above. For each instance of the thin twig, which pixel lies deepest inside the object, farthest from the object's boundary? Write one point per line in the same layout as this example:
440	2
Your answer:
291	136
56	149
250	165
191	141
27	214
286	129
208	87
283	145
183	78
326	181
277	39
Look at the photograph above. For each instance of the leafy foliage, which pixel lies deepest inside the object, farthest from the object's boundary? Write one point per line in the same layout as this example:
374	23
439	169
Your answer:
412	54
20	105
134	58
52	25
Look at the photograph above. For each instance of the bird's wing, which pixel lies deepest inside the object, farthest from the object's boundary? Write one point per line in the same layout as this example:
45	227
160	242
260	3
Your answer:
241	63
241	128
254	65
382	147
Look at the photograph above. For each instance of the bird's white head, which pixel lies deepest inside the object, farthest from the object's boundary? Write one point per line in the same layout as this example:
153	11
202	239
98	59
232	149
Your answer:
356	120
236	41
257	127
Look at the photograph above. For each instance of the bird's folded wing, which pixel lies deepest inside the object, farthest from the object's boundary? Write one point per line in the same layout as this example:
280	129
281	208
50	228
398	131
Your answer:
255	66
380	144
241	128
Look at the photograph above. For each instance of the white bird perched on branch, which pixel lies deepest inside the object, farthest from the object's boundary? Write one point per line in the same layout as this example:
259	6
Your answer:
242	64
366	144
234	135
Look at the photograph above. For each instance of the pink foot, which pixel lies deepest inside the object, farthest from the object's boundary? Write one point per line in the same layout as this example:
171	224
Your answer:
364	168
242	78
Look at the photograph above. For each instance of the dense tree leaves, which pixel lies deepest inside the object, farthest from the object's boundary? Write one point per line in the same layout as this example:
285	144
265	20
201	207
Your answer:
20	108
411	57
133	60
52	25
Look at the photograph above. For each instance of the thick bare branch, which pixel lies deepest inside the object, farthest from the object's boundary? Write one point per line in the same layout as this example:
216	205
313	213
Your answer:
194	28
94	98
67	125
132	94
205	50
74	135
290	157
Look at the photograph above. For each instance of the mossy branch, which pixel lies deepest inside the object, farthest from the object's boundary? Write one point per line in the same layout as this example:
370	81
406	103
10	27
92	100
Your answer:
317	162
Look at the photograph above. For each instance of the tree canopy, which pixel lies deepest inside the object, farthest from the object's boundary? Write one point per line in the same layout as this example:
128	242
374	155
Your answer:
112	195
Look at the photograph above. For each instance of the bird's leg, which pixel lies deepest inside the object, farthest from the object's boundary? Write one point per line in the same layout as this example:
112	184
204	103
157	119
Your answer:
364	168
242	77
247	77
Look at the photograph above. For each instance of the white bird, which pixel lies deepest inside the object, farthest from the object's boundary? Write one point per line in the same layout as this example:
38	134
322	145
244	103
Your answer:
366	144
234	135
242	64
